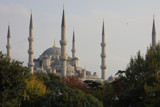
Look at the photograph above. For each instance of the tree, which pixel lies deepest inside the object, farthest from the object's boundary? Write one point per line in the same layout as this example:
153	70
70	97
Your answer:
70	98
75	83
51	80
33	92
141	74
93	84
105	94
12	81
152	97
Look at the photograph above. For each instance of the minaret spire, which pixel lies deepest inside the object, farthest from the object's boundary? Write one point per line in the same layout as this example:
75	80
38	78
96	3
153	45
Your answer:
103	54
63	44
153	34
63	18
8	46
84	73
73	46
30	51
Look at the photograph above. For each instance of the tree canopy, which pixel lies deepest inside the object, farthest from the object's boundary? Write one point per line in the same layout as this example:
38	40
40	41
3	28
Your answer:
12	81
20	88
141	79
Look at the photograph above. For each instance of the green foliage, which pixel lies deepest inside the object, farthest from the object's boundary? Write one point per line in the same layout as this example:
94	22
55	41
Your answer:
153	94
69	98
19	88
105	94
141	79
12	81
152	59
93	84
51	80
90	101
34	87
34	90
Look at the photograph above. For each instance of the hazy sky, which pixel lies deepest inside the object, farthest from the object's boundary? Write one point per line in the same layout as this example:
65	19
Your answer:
128	27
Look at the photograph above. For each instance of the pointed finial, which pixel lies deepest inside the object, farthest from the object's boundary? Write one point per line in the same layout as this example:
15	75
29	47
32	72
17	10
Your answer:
8	35
153	19
8	23
54	44
63	6
73	36
103	28
31	23
85	67
63	18
73	30
154	28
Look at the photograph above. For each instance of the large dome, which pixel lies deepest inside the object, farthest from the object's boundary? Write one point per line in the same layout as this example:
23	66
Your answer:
53	51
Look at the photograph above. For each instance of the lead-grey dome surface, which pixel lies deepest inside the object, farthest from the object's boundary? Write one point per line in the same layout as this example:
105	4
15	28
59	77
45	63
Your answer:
52	51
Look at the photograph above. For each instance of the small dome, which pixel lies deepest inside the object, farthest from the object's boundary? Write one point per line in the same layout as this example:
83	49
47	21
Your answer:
52	51
111	78
95	73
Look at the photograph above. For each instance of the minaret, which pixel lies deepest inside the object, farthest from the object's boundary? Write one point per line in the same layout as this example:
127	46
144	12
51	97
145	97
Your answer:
30	51
73	47
154	34
63	44
8	46
84	73
103	55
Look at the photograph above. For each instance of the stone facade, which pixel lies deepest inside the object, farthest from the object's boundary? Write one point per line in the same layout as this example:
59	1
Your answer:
56	60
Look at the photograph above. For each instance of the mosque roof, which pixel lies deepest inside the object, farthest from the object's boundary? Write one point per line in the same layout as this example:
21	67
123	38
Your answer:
52	51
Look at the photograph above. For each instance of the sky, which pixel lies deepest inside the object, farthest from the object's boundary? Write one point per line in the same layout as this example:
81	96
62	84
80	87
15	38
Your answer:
128	28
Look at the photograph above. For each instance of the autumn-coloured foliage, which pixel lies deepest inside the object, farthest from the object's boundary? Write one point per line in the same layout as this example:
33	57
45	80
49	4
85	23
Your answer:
34	87
119	86
75	83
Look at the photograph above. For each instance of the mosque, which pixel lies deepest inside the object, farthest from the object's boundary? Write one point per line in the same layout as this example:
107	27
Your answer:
56	60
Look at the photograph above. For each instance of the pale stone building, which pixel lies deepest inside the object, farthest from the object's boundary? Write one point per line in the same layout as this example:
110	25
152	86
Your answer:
56	60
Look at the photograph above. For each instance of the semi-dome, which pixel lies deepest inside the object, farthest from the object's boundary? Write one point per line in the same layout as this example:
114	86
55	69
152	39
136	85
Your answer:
53	51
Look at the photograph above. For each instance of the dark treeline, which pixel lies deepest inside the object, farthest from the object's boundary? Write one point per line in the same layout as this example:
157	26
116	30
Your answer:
137	86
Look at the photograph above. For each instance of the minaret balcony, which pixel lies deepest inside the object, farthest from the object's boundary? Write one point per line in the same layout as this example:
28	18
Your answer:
30	51
103	55
8	46
63	42
73	50
30	39
103	44
31	64
103	67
